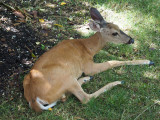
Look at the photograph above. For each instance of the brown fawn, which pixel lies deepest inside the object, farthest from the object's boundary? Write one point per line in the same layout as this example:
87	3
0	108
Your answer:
58	70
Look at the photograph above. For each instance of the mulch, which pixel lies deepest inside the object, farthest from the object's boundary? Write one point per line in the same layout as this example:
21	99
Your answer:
17	43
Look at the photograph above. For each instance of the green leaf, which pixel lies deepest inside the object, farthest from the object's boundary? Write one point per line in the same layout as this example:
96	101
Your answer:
33	55
42	47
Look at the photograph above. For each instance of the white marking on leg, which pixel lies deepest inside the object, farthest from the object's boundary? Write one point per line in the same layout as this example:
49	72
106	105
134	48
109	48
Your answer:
38	100
146	62
29	104
42	101
86	79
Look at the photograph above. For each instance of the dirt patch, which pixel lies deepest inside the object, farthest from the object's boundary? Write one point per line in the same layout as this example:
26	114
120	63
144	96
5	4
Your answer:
17	42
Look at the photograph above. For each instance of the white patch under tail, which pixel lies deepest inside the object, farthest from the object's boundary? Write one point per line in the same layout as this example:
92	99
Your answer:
41	104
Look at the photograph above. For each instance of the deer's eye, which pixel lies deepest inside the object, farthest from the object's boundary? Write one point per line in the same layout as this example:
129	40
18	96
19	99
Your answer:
115	34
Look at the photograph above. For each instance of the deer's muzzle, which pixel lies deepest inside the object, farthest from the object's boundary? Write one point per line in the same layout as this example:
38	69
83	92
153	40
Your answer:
131	41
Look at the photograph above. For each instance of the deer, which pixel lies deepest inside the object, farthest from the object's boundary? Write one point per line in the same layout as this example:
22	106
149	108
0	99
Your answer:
58	71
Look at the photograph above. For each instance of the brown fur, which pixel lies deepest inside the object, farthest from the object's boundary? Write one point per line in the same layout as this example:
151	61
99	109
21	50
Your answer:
113	26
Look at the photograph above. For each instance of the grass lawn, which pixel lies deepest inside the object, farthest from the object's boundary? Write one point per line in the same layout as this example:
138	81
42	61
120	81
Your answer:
135	100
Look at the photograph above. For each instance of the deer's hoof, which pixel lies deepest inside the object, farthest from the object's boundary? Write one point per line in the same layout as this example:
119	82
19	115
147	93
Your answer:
91	77
151	63
122	82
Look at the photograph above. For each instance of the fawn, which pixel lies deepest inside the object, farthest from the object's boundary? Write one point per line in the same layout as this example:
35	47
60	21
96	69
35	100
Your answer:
57	71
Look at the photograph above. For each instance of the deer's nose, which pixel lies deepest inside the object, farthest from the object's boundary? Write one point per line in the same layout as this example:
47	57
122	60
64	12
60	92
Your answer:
131	41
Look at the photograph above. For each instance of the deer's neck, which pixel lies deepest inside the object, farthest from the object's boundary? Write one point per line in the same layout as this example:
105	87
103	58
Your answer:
94	43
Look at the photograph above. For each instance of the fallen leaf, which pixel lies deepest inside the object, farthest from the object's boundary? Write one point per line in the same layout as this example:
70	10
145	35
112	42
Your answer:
63	3
70	18
43	10
32	54
26	62
4	45
46	25
3	39
11	98
42	47
21	21
18	14
45	34
37	43
58	25
9	50
19	107
51	5
16	24
41	20
8	28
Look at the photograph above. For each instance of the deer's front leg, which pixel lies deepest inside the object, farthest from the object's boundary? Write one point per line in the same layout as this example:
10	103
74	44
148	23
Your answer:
92	68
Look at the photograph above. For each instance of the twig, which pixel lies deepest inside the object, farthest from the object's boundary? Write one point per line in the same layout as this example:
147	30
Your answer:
61	16
156	101
16	9
35	2
27	14
26	70
31	52
28	49
7	6
123	114
24	12
144	111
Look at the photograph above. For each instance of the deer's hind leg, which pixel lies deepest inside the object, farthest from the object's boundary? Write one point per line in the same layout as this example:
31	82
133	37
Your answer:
77	90
80	81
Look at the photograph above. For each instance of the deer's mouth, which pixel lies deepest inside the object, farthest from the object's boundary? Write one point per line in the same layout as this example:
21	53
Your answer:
131	41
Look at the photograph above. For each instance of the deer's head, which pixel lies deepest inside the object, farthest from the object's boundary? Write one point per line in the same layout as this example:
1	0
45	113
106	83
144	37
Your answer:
109	31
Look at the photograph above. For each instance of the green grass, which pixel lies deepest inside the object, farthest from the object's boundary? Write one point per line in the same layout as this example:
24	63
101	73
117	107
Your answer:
141	20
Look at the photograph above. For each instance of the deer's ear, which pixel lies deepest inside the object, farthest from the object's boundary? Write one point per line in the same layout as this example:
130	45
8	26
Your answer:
94	26
95	15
